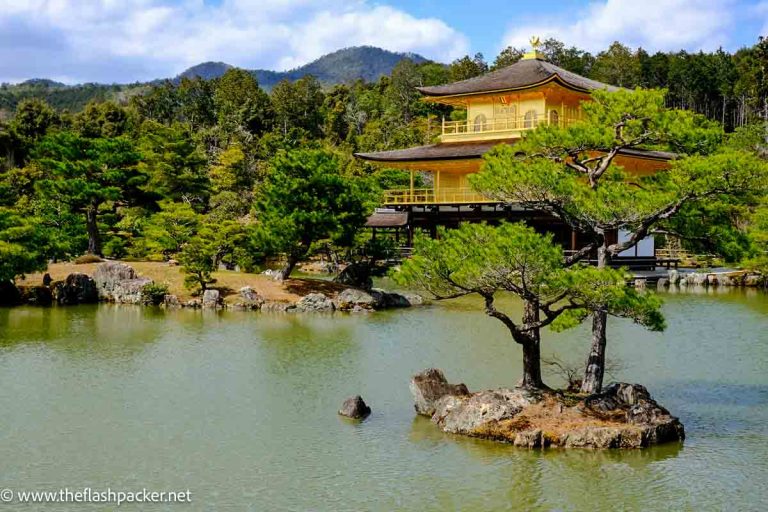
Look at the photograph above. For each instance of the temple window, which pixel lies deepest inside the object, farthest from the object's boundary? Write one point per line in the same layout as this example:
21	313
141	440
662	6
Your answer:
554	118
529	121
480	123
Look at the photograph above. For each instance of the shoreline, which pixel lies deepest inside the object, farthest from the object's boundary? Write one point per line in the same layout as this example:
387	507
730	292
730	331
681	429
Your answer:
118	282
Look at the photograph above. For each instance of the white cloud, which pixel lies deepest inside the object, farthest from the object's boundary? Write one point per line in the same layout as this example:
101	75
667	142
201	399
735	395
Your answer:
653	24
125	40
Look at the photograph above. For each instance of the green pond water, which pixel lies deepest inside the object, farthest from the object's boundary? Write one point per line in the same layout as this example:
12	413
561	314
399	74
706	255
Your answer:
240	408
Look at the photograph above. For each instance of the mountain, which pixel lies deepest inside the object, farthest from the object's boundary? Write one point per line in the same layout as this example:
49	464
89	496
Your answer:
343	66
206	70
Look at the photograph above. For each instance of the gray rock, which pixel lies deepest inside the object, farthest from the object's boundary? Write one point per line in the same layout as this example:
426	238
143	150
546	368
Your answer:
390	300
171	301
314	303
249	299
119	283
357	275
529	439
593	437
36	295
76	289
429	386
354	407
276	307
353	298
663	282
674	276
414	299
754	280
468	415
211	298
640	283
193	303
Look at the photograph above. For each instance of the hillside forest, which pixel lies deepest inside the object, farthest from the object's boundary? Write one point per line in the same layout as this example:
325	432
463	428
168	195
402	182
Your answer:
219	171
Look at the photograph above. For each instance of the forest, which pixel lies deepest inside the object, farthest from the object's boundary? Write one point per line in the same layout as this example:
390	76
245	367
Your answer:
221	172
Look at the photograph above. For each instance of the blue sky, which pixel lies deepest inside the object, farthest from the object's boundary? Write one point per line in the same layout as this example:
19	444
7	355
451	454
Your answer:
134	40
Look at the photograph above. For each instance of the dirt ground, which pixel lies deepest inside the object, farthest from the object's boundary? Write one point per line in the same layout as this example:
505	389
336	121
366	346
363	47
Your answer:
227	282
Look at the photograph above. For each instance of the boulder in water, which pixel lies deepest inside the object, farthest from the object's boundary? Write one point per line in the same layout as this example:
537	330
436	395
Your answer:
355	407
431	385
119	283
76	289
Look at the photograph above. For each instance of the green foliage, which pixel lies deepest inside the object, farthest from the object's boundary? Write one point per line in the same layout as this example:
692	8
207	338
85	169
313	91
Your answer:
240	103
174	166
305	198
468	67
196	258
153	293
480	259
23	246
171	228
83	173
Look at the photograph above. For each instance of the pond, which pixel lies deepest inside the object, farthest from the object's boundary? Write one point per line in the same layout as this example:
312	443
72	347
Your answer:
240	408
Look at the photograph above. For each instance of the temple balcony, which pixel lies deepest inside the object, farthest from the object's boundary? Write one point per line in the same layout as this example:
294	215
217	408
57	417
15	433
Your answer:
425	196
482	128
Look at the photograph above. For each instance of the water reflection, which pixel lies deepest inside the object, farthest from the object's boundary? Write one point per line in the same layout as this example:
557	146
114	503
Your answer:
241	408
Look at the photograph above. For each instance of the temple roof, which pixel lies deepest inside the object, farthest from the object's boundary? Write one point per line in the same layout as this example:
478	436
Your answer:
440	151
468	150
383	218
523	74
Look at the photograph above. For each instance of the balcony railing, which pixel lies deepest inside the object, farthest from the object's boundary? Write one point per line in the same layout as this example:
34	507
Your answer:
431	196
464	129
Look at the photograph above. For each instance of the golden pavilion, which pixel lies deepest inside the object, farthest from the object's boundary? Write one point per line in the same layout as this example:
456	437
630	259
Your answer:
501	106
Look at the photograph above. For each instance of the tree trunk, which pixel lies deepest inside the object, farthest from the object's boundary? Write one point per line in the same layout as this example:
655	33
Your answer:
595	368
290	264
532	349
92	226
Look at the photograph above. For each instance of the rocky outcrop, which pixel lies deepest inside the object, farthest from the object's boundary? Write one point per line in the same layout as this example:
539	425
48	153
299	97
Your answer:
36	295
119	283
431	385
354	299
357	275
471	414
249	299
76	289
211	299
171	301
314	303
9	294
622	416
354	407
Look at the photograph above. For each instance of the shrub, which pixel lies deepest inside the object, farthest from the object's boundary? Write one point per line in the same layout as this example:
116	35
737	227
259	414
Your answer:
154	294
87	258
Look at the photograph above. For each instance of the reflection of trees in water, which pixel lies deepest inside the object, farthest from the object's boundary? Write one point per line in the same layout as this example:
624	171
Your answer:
108	331
307	352
549	479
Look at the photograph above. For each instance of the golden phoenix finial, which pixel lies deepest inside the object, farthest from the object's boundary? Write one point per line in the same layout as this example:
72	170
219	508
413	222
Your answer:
535	42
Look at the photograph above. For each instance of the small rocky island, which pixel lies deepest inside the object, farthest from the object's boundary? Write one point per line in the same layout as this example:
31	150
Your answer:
622	416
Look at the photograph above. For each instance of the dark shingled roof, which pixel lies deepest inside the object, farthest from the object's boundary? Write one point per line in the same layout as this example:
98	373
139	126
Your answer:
441	151
521	75
386	219
468	150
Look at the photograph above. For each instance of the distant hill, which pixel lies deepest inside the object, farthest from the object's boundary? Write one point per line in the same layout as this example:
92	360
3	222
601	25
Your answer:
343	66
206	70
